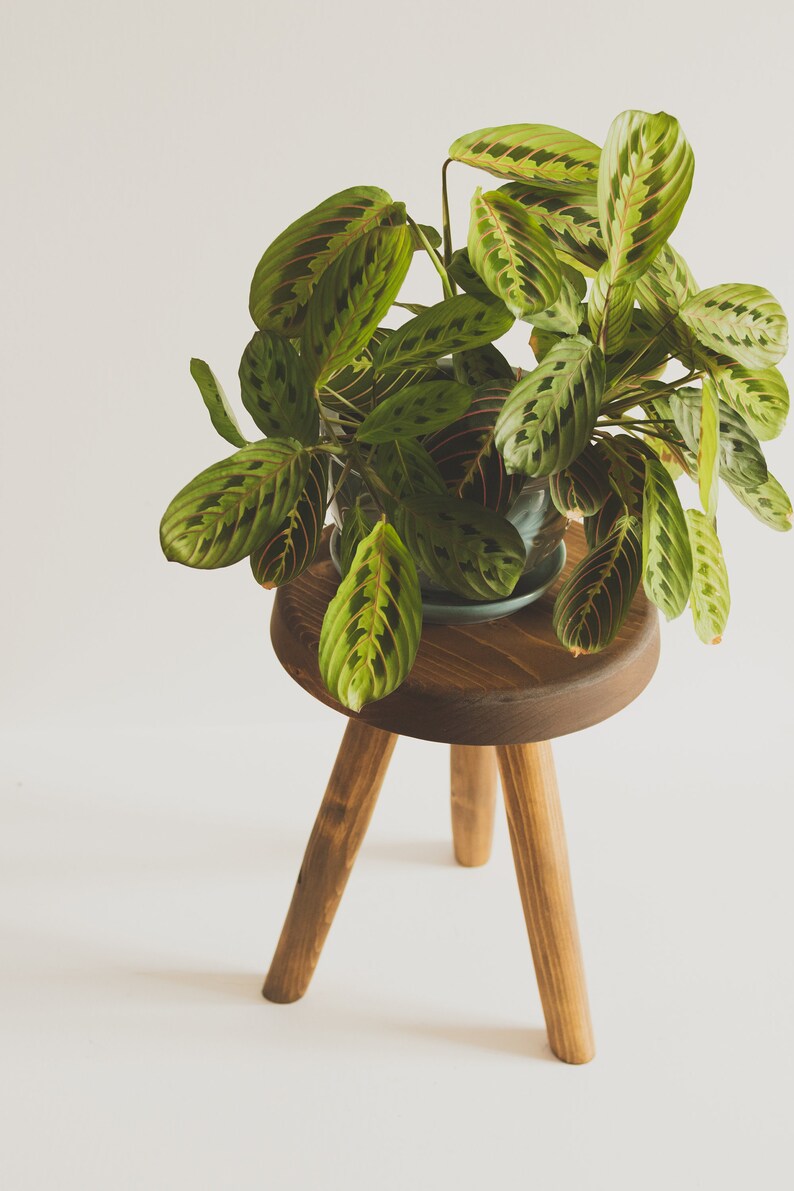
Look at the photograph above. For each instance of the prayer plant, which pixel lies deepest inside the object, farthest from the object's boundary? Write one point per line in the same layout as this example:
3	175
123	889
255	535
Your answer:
640	376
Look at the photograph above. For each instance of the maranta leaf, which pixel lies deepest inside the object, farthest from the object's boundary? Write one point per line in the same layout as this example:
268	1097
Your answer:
291	547
277	390
710	598
535	152
217	403
454	325
595	599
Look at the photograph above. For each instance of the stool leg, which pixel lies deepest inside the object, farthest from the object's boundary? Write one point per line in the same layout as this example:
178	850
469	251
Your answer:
537	835
336	837
473	787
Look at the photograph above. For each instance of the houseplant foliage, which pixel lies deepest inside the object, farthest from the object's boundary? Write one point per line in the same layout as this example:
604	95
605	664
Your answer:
639	377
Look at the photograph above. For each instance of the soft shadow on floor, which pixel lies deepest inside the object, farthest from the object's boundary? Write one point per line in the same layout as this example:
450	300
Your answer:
215	986
410	851
523	1042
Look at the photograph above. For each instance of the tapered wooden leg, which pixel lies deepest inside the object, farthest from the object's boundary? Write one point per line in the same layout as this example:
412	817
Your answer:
336	837
473	786
541	858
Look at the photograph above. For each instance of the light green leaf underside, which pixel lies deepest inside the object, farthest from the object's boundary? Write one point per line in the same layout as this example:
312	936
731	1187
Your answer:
289	550
708	452
710	596
277	390
468	549
761	397
414	411
217	403
512	254
743	322
229	508
643	183
456	324
666	552
536	152
741	459
293	264
594	601
551	412
769	502
352	296
371	629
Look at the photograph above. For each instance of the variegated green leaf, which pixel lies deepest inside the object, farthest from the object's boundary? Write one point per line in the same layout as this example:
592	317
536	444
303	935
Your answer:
542	341
570	217
293	264
551	412
538	152
741	459
431	234
666	553
350	299
512	254
769	502
483	364
371	628
643	183
291	547
594	601
708	453
277	390
406	469
743	322
414	411
662	290
580	489
454	325
564	316
470	550
710	597
356	526
217	403
760	397
222	514
466	454
626	459
359	386
643	354
463	273
610	311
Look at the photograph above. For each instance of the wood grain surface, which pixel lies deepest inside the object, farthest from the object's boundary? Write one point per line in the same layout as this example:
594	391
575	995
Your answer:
540	853
473	798
505	682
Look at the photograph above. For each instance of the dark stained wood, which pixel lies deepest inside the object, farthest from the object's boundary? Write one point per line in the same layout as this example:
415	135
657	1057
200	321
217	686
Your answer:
505	682
340	827
472	772
540	853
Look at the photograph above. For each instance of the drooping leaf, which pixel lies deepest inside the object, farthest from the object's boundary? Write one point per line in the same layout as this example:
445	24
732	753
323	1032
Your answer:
470	550
551	412
407	469
483	364
414	411
291	547
570	217
610	311
564	316
293	264
217	403
454	325
741	459
277	390
769	502
760	397
431	234
463	273
371	628
643	183
708	453
466	454
743	322
512	254
226	510
626	458
710	597
594	601
359	386
581	488
666	552
350	299
356	526
537	152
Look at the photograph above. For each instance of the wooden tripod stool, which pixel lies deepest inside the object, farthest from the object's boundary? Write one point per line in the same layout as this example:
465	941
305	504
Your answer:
497	693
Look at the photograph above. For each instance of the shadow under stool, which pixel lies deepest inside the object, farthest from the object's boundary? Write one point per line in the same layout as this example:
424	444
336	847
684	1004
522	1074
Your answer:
498	693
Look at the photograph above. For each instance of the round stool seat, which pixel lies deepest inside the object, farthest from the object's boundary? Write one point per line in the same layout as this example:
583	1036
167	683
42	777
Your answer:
504	682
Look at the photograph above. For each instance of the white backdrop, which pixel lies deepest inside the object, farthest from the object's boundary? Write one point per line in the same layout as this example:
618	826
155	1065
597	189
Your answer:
161	773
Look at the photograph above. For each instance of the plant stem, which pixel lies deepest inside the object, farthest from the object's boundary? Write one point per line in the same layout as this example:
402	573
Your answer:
446	225
431	252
